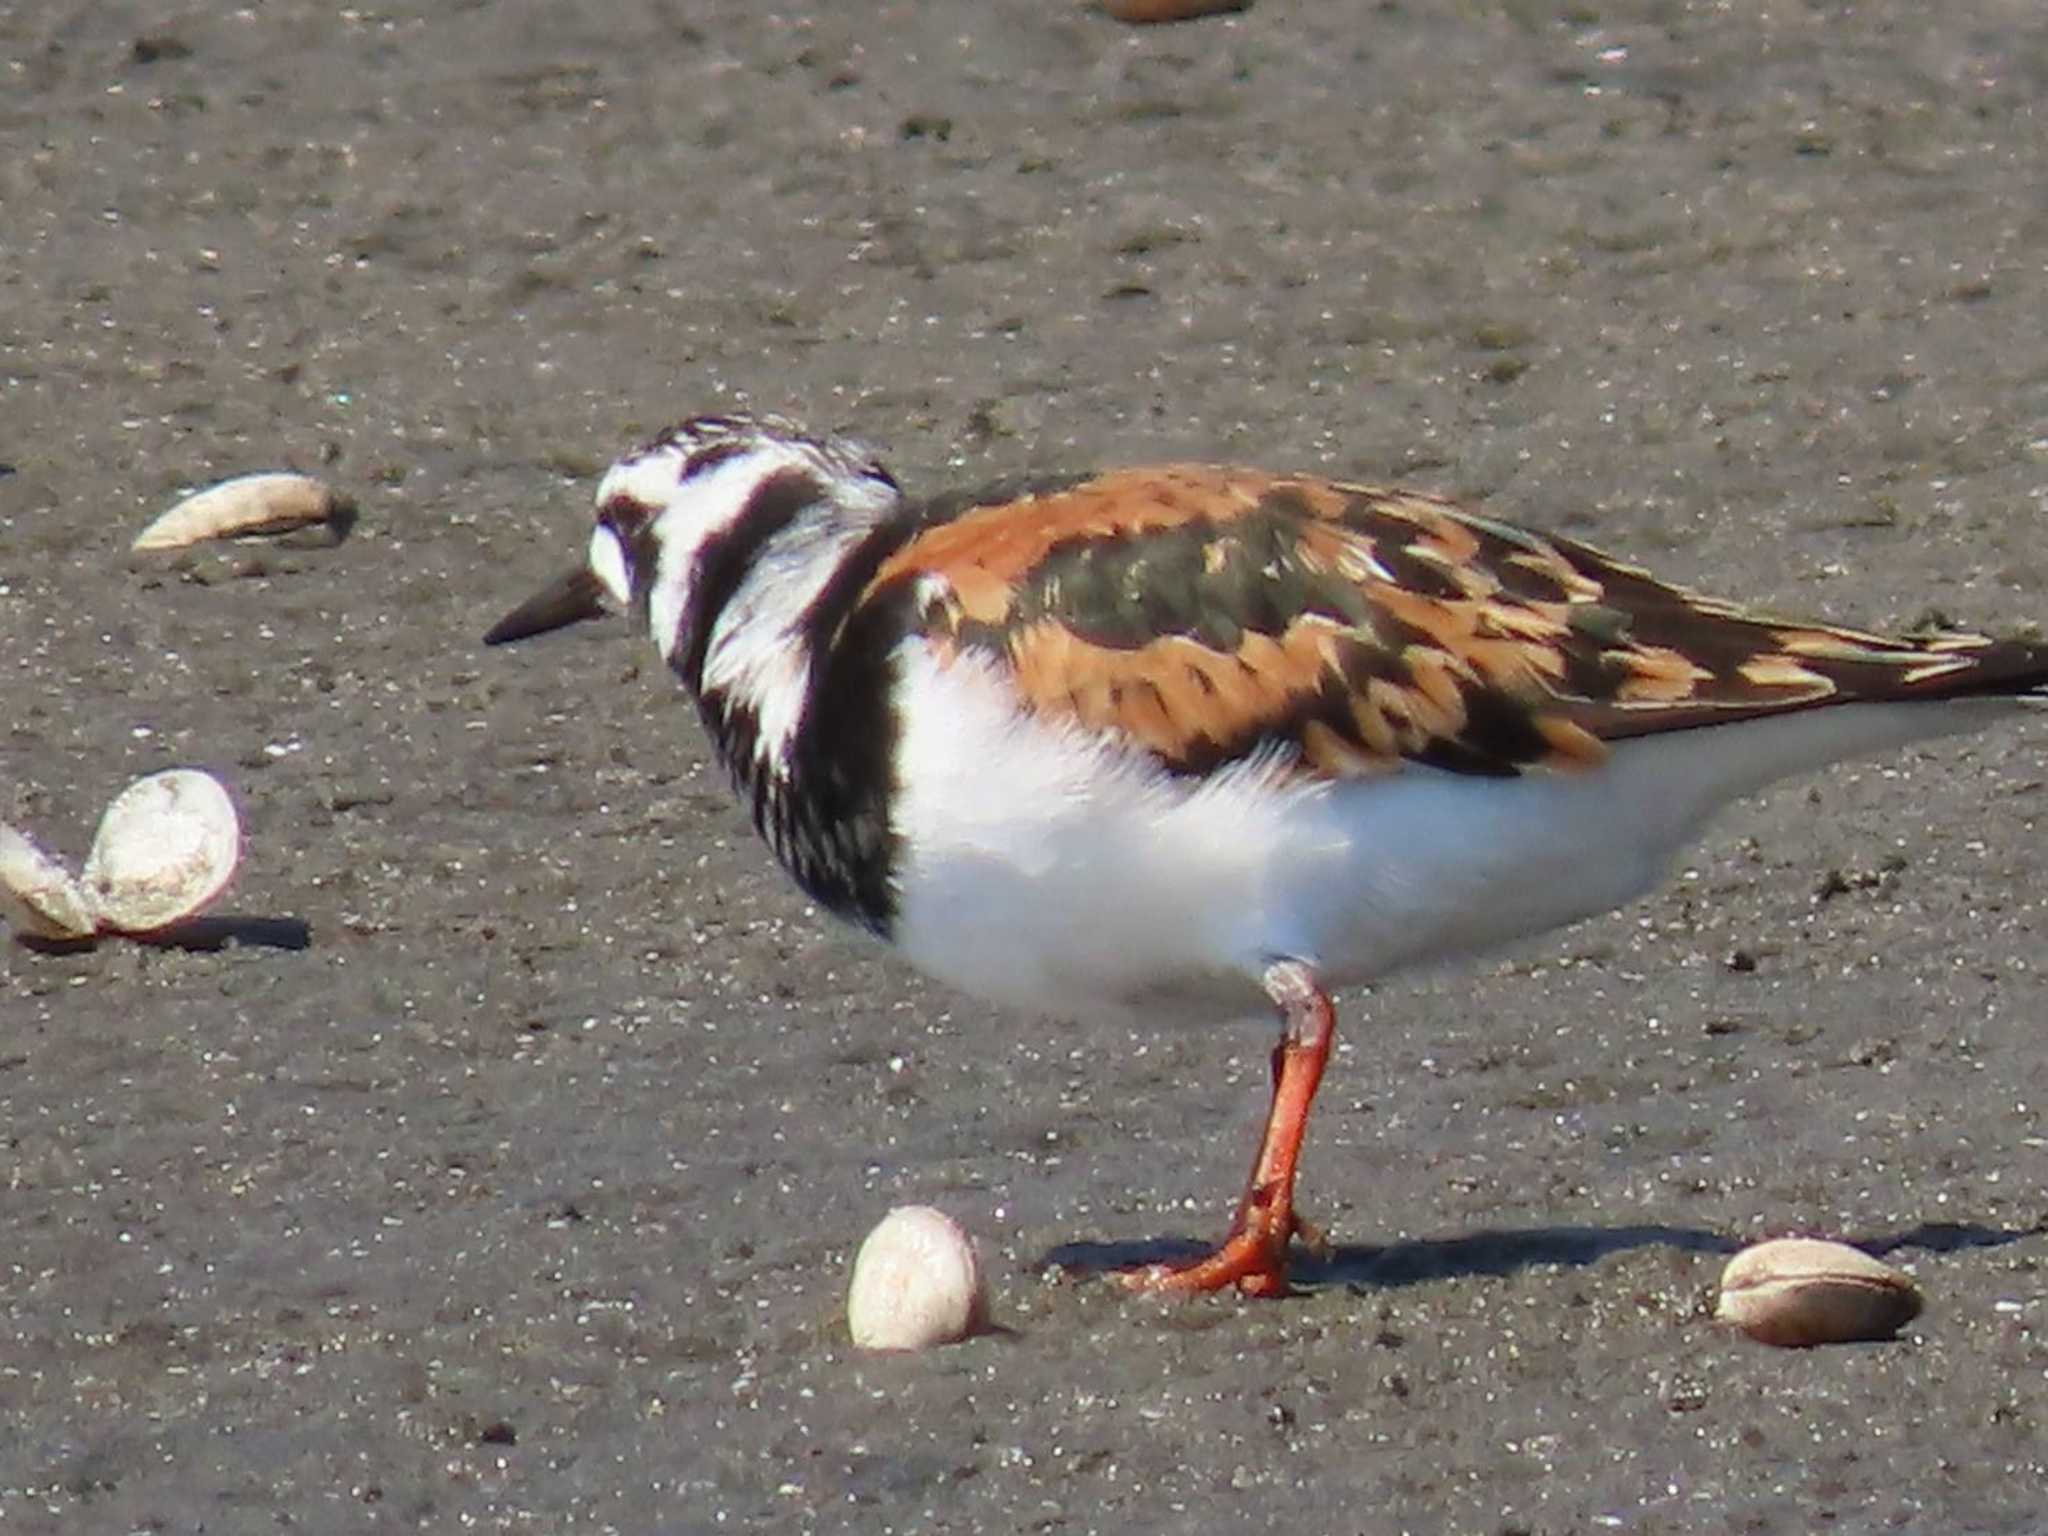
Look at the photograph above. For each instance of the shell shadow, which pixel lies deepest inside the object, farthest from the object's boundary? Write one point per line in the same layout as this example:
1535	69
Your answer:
1949	1237
220	929
213	932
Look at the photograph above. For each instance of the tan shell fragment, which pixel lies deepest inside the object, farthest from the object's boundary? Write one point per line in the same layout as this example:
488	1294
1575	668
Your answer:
1801	1291
38	895
273	502
165	848
917	1282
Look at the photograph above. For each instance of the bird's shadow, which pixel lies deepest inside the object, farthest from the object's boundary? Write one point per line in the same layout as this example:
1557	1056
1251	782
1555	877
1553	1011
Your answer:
1502	1251
214	932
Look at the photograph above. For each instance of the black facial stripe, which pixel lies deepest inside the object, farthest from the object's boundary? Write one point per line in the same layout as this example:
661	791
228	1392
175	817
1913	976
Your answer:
710	458
724	561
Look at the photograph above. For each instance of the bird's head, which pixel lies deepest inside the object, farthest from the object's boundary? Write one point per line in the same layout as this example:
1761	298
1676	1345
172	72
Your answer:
682	520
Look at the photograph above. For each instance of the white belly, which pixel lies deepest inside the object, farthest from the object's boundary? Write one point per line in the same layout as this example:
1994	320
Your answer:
1051	870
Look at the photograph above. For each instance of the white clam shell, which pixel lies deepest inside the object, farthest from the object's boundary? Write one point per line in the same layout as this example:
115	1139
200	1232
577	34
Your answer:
38	896
273	502
165	848
1801	1291
917	1281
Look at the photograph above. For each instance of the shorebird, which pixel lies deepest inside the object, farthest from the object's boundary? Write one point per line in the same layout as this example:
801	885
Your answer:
1189	741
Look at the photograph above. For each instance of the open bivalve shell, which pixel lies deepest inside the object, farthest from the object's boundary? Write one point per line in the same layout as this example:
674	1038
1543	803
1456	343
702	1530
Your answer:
166	847
271	502
1800	1291
38	895
917	1281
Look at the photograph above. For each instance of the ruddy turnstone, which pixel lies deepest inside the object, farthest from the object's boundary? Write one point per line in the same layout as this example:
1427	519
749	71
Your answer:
1186	740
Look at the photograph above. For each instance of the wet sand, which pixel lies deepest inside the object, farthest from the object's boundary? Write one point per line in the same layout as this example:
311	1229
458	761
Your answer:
519	1195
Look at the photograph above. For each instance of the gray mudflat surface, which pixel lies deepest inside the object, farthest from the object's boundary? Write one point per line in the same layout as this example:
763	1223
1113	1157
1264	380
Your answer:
520	1197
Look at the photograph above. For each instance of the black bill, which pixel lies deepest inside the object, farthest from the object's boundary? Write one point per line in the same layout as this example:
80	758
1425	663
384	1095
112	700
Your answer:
568	599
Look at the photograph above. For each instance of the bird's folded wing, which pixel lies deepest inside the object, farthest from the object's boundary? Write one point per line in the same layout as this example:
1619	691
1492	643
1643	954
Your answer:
1205	615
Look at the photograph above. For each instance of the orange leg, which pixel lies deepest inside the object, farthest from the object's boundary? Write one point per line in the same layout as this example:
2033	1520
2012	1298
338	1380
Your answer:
1253	1255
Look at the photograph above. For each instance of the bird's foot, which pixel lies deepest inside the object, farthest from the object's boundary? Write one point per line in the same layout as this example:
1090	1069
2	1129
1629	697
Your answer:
1253	1258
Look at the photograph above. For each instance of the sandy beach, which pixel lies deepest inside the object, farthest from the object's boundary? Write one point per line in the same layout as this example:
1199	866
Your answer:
500	1165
